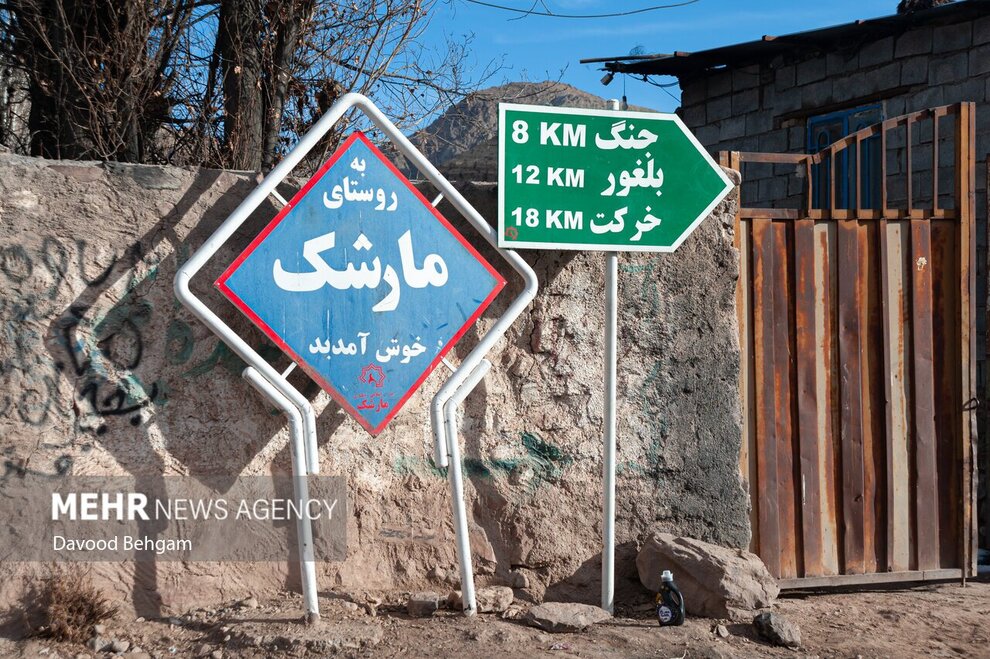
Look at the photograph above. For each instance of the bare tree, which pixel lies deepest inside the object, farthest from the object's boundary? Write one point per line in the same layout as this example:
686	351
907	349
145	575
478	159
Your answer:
309	53
229	83
252	66
98	72
909	6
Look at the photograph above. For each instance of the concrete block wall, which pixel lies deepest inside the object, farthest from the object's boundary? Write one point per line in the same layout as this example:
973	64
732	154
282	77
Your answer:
766	107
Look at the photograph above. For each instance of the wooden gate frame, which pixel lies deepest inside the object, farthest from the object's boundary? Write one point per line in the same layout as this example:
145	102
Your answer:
985	402
755	392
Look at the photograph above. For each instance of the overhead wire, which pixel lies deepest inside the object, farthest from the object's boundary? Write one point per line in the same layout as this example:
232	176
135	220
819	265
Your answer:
532	10
663	86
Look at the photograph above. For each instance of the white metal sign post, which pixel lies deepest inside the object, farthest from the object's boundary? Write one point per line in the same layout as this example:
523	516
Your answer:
361	375
609	181
611	427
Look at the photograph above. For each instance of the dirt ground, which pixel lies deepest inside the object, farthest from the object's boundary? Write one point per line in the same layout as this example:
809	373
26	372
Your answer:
943	620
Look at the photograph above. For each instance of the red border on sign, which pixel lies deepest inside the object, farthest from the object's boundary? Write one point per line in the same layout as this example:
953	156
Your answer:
221	284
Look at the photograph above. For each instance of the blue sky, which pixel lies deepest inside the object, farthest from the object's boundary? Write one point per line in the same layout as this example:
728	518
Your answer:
538	48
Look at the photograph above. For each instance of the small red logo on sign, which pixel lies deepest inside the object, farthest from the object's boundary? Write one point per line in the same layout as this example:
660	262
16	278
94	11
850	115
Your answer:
373	374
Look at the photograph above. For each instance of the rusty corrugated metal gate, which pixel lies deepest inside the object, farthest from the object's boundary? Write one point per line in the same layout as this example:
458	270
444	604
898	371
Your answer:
857	336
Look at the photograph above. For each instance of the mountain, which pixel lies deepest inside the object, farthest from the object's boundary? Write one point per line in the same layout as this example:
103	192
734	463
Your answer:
463	142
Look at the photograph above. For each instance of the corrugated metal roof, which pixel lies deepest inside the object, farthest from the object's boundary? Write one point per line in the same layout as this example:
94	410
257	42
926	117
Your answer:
849	35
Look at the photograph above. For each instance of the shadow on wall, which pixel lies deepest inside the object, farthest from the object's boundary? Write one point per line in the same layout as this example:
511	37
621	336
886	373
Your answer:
137	370
127	372
585	584
498	542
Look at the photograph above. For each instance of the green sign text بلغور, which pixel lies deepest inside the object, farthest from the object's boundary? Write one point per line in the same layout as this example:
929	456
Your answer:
601	180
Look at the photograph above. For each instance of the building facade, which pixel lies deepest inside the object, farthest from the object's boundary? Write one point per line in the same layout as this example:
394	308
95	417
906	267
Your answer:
801	94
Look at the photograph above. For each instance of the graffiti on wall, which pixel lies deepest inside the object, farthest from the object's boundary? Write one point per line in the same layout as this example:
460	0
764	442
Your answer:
540	462
80	317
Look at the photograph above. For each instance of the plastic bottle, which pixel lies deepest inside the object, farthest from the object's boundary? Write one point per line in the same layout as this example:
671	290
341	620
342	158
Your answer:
670	602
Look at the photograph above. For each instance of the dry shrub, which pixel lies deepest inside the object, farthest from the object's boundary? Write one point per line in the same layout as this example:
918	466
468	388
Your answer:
67	605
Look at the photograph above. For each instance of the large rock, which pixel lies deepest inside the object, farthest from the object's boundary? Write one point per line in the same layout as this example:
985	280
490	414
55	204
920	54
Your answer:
422	605
778	630
491	599
494	599
558	617
717	582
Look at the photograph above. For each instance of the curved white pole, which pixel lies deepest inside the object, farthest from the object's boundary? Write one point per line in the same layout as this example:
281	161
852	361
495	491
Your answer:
268	185
259	371
608	462
223	233
300	488
608	438
461	531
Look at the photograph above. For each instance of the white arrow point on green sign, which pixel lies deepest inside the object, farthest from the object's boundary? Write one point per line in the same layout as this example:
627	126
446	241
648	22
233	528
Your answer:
601	180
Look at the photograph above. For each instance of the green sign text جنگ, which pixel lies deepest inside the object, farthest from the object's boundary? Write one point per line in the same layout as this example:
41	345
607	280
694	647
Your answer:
601	180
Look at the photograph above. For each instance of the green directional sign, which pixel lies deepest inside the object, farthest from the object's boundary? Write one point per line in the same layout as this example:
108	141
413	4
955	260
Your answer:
601	180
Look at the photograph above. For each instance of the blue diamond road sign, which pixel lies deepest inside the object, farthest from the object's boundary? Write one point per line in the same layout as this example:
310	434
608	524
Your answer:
362	283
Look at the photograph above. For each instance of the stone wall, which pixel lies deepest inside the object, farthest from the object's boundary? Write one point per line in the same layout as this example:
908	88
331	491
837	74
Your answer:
103	372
